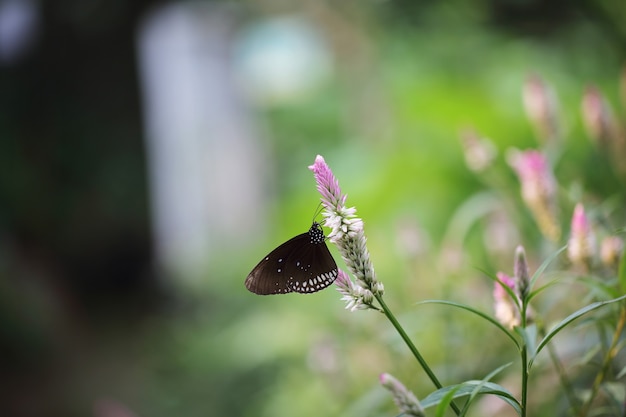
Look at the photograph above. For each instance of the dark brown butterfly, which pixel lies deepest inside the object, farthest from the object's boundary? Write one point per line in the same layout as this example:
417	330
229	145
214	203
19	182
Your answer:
302	264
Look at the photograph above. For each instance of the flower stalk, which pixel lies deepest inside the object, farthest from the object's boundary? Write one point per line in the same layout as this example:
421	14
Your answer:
346	229
348	235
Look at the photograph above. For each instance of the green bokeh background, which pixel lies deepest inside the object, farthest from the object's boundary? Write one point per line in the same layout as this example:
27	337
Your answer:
85	319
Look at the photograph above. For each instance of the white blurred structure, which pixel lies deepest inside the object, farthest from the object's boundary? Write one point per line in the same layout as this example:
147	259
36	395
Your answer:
19	27
282	60
207	167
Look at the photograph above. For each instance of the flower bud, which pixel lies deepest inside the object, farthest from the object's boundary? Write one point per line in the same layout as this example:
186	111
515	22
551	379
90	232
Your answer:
522	275
581	245
598	117
541	108
611	250
505	309
538	189
479	152
404	399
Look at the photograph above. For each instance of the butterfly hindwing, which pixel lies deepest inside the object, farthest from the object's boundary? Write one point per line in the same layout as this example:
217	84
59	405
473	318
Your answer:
315	275
269	276
303	264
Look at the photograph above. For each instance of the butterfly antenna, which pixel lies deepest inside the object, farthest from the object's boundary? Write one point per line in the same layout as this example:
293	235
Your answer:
318	211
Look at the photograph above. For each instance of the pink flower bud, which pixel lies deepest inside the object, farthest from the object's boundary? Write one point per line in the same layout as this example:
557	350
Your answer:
611	250
598	117
538	188
505	309
581	245
479	152
541	107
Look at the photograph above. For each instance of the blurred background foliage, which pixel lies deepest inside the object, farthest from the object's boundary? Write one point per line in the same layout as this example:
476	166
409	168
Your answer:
89	324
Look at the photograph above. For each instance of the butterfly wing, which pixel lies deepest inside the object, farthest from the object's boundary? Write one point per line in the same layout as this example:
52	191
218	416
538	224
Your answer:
269	276
303	264
317	272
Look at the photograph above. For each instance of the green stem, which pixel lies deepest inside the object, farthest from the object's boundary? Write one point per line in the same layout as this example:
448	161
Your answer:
524	378
524	352
412	348
606	363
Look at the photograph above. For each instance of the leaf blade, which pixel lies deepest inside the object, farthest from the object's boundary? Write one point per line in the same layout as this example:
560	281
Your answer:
567	320
467	388
478	313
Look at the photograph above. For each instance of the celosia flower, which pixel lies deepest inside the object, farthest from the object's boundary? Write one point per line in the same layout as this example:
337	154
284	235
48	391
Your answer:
582	244
603	127
505	309
611	250
538	189
404	399
541	107
479	152
355	296
347	229
598	117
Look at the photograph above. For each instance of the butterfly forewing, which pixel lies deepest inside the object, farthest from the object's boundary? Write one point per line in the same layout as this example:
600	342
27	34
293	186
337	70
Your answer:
269	276
302	264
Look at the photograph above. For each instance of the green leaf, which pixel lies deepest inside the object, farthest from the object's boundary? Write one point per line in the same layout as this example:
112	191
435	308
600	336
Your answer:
478	313
529	335
566	321
508	289
588	356
615	392
621	373
468	388
601	287
478	387
445	403
536	292
544	265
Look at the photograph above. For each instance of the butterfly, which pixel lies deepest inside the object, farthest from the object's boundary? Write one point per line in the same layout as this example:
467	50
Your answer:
302	264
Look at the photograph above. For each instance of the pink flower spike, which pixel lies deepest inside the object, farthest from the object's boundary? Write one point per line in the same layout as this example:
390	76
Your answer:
580	224
343	281
498	290
541	107
530	165
598	116
538	188
355	296
348	234
581	246
505	309
327	185
611	250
